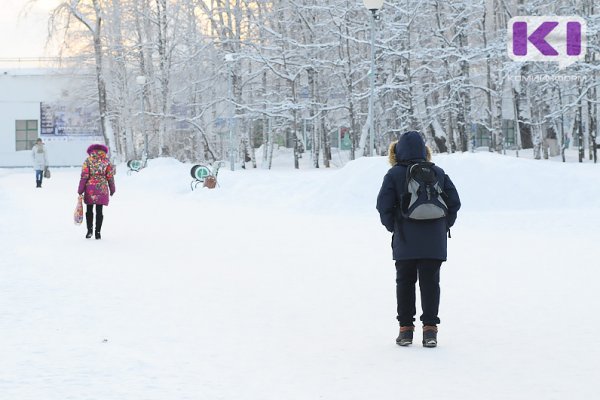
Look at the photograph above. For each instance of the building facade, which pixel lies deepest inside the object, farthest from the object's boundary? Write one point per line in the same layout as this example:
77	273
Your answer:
47	104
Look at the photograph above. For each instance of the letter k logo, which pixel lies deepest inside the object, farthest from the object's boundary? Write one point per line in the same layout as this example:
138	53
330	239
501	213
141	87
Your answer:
537	38
555	38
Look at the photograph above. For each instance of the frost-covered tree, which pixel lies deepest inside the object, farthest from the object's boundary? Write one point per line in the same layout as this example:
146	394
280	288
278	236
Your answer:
295	73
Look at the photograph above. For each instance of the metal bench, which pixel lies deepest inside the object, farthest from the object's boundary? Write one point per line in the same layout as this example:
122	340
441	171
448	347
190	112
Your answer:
137	165
205	174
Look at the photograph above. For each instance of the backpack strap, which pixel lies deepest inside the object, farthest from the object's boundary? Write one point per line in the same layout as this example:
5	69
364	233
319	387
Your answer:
400	212
399	219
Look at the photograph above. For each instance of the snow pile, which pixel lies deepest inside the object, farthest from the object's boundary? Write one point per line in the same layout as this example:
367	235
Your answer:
280	284
492	182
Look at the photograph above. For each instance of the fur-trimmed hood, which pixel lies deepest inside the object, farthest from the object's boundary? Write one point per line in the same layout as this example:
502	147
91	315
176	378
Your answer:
392	153
97	147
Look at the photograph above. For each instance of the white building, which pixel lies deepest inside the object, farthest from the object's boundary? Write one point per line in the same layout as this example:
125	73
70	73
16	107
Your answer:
48	104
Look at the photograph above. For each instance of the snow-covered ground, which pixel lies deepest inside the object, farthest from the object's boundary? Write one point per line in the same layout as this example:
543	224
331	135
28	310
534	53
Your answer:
280	285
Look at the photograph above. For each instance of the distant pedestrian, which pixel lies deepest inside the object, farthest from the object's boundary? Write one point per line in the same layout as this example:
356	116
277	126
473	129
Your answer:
40	161
419	240
96	184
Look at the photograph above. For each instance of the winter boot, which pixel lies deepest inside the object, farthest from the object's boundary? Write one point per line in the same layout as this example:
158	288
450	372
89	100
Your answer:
430	335
99	219
89	221
406	336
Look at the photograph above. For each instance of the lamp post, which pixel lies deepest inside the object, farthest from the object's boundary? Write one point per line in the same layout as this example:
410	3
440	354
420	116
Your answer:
141	80
373	6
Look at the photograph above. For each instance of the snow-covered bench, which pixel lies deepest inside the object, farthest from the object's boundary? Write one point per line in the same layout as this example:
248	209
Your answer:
205	175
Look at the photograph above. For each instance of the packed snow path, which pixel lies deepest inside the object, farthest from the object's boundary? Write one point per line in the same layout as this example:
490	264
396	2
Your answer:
280	285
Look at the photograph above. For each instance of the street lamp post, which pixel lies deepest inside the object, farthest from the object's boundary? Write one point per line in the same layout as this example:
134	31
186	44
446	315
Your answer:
141	80
229	61
373	6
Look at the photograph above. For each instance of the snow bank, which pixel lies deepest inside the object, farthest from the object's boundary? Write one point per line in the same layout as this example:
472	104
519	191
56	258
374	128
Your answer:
280	285
486	182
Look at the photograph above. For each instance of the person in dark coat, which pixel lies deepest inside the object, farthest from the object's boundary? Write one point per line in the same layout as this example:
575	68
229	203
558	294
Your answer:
419	247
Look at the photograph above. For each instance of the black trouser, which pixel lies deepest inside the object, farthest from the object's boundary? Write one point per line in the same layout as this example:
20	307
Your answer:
89	215
428	272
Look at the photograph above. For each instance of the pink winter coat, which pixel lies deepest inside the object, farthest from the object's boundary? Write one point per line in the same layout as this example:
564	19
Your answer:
97	176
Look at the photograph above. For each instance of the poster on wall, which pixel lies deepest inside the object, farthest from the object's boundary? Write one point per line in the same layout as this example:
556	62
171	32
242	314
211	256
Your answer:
62	120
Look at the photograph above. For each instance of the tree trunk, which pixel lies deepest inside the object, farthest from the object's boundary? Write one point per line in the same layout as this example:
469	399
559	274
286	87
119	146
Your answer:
464	104
312	113
490	86
354	128
102	101
525	137
272	142
326	143
580	141
563	140
161	7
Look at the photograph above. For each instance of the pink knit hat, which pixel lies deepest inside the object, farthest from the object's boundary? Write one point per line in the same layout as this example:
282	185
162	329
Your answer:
97	147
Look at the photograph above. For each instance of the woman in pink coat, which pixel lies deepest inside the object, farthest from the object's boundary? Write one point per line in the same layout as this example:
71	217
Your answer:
96	185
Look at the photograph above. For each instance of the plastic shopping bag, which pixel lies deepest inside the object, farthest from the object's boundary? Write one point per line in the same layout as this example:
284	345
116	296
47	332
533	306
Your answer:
78	215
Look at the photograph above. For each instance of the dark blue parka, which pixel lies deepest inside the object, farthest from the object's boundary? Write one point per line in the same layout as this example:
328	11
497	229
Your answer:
417	239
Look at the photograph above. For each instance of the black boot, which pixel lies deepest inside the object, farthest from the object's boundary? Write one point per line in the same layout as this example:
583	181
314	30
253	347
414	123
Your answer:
38	184
89	221
430	335
406	336
99	219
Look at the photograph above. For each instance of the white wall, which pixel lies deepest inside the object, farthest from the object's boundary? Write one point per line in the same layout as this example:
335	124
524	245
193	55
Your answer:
21	92
9	112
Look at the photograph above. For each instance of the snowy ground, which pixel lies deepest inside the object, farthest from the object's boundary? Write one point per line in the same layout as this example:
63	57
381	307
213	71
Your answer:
280	285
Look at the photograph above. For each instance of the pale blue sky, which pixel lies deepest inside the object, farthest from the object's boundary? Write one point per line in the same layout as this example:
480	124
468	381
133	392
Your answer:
23	34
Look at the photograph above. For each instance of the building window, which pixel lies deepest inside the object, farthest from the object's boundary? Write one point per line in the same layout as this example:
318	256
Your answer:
26	133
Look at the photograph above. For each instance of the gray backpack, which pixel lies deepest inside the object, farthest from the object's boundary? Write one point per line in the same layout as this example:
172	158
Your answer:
423	197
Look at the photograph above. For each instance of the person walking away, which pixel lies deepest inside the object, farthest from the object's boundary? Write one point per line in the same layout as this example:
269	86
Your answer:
97	184
40	161
419	240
